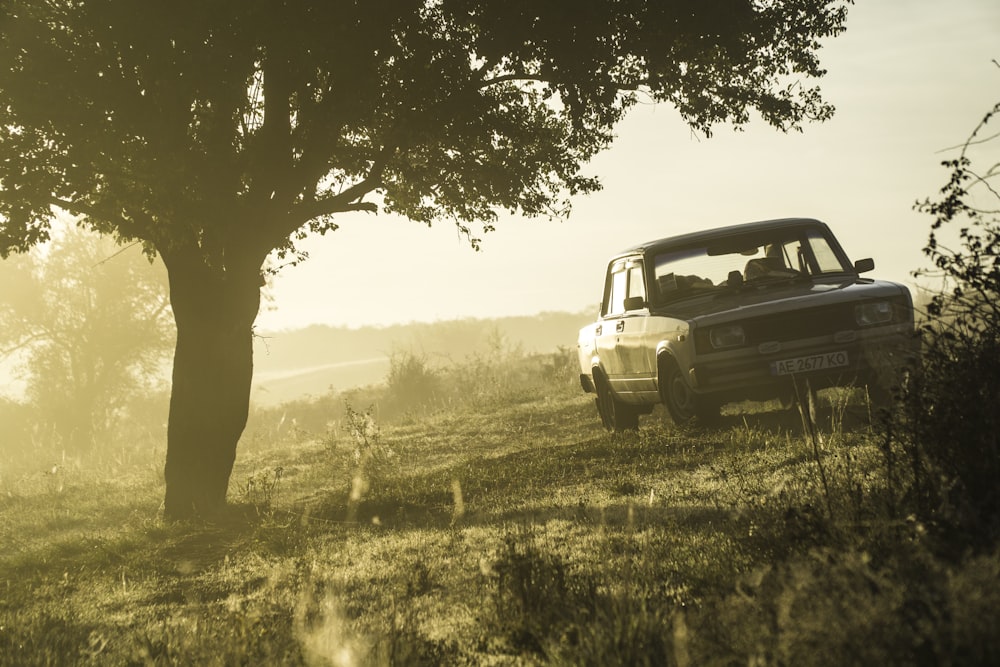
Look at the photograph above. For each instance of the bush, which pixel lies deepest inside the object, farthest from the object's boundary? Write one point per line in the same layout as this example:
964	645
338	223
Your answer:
942	448
412	383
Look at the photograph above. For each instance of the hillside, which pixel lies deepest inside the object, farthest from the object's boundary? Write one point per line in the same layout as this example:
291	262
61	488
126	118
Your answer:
290	365
296	364
502	527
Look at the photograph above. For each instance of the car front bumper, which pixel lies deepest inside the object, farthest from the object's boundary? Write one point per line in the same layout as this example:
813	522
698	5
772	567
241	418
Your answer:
875	356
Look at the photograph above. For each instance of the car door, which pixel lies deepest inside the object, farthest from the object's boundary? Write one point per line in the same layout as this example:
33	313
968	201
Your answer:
622	328
612	313
634	344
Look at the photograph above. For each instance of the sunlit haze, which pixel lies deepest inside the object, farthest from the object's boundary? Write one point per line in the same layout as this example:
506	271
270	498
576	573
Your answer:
908	80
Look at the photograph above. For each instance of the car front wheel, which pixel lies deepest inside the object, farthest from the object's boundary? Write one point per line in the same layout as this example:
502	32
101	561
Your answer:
615	415
682	403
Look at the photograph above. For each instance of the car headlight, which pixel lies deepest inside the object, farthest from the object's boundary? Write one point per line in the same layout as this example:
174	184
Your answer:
870	314
731	335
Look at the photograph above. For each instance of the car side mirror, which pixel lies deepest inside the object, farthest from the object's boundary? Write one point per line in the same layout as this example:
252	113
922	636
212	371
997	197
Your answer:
635	303
864	265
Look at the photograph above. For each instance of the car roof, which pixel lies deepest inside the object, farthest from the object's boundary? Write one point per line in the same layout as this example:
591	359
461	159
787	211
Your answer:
709	234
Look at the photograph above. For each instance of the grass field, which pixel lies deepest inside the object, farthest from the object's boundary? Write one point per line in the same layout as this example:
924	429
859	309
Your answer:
495	527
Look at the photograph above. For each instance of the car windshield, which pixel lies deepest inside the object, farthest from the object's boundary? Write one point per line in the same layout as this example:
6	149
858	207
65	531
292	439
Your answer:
731	261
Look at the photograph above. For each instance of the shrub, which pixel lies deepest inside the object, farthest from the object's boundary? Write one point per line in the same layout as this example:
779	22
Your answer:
412	383
942	448
484	380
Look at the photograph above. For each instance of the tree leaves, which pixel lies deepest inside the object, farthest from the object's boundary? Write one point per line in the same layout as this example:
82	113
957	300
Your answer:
230	125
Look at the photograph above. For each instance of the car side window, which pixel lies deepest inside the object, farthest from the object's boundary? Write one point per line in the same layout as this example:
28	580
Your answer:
636	285
826	258
626	281
617	285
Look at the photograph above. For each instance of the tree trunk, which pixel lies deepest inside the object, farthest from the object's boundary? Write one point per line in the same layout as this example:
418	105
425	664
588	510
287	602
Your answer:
214	310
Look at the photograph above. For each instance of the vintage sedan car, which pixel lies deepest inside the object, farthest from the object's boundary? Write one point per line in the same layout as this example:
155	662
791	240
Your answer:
756	311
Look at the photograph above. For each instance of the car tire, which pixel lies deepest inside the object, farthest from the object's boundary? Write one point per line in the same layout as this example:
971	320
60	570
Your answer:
682	403
615	415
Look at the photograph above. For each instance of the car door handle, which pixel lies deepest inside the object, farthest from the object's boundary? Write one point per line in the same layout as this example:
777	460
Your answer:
620	327
597	331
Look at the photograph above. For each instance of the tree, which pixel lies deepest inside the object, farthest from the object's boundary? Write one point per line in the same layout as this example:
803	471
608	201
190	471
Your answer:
220	132
92	322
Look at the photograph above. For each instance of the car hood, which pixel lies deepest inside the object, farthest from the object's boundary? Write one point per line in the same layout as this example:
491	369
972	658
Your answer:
776	298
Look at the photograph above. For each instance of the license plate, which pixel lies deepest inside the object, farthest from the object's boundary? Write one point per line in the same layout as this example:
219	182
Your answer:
814	362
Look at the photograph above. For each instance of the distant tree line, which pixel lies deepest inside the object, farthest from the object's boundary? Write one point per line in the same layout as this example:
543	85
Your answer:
88	324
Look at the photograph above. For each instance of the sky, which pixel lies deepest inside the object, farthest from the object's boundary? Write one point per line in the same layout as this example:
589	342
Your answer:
909	80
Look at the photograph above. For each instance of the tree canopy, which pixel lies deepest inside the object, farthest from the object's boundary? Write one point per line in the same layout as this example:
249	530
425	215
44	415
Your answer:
198	121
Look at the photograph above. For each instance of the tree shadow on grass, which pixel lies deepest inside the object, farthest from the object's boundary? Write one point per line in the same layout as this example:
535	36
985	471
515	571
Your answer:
167	550
199	545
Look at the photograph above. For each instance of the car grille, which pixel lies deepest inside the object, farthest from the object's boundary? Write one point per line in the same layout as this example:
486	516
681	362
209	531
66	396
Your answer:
807	323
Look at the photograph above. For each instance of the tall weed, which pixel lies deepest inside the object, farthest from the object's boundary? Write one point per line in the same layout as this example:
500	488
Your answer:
374	461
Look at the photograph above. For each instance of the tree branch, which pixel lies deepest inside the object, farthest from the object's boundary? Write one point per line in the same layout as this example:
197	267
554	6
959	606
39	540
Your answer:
343	202
542	78
23	343
347	200
127	229
74	207
43	333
